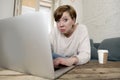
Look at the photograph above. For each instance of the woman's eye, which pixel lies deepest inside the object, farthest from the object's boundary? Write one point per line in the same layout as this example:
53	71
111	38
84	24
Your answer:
65	20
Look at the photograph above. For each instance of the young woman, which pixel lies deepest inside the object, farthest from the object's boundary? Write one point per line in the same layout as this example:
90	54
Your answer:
69	40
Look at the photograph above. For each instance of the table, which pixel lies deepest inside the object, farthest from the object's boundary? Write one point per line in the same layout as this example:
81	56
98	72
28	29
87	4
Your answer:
90	71
94	71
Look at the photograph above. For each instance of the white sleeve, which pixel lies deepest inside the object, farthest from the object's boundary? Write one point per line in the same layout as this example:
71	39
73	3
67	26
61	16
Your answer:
84	48
52	38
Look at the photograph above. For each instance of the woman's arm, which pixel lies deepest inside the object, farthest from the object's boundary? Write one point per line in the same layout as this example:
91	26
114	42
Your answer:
84	47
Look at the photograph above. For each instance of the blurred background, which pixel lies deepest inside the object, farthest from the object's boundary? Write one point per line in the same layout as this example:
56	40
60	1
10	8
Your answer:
100	16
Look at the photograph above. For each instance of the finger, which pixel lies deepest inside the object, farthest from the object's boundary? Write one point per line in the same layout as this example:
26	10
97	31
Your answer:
66	62
63	62
56	63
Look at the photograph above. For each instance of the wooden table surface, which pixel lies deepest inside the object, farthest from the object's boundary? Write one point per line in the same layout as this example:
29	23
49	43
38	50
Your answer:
90	71
94	71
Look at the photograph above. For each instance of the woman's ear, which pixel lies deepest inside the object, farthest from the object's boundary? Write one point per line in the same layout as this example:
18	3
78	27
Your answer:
74	20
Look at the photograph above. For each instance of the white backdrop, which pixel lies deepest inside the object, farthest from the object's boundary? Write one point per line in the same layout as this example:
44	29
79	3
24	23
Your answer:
6	8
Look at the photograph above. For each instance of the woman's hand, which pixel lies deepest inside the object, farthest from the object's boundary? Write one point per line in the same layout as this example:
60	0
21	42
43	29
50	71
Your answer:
65	61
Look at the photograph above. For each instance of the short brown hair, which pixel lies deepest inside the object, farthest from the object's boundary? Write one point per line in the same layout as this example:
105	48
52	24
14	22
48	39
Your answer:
64	8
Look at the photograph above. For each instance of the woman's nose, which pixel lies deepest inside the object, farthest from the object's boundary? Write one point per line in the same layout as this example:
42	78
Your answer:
61	24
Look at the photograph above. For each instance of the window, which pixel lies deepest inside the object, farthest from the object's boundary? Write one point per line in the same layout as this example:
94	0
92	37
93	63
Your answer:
31	6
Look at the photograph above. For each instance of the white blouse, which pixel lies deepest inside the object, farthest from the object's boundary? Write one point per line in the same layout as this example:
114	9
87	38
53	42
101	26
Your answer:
78	44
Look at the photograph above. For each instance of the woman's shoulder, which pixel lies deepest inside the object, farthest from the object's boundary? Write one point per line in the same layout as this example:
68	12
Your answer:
82	27
54	31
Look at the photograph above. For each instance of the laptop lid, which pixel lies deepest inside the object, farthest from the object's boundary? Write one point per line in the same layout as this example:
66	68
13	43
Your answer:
25	45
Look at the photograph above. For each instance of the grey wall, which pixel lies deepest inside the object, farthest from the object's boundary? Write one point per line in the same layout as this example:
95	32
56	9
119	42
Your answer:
102	18
6	8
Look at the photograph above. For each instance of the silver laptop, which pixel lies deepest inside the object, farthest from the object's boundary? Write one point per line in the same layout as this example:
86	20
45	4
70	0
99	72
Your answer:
25	47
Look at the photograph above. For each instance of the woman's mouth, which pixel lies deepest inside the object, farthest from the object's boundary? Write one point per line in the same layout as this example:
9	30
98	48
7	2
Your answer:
62	30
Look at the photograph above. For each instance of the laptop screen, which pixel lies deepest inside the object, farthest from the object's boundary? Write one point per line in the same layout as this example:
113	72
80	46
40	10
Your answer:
25	46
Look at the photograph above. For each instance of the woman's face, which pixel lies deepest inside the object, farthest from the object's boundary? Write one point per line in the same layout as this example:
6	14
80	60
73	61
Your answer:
65	23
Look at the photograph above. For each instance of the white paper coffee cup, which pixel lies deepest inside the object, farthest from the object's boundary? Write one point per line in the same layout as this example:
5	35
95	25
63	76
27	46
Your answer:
102	56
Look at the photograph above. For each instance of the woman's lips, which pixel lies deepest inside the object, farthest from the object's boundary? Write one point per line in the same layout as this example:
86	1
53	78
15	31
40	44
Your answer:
62	30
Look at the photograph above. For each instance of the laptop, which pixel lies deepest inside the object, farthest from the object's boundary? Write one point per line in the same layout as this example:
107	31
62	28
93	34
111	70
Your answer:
25	46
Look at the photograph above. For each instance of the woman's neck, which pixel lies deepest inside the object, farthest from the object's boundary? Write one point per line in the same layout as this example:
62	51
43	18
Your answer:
71	31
